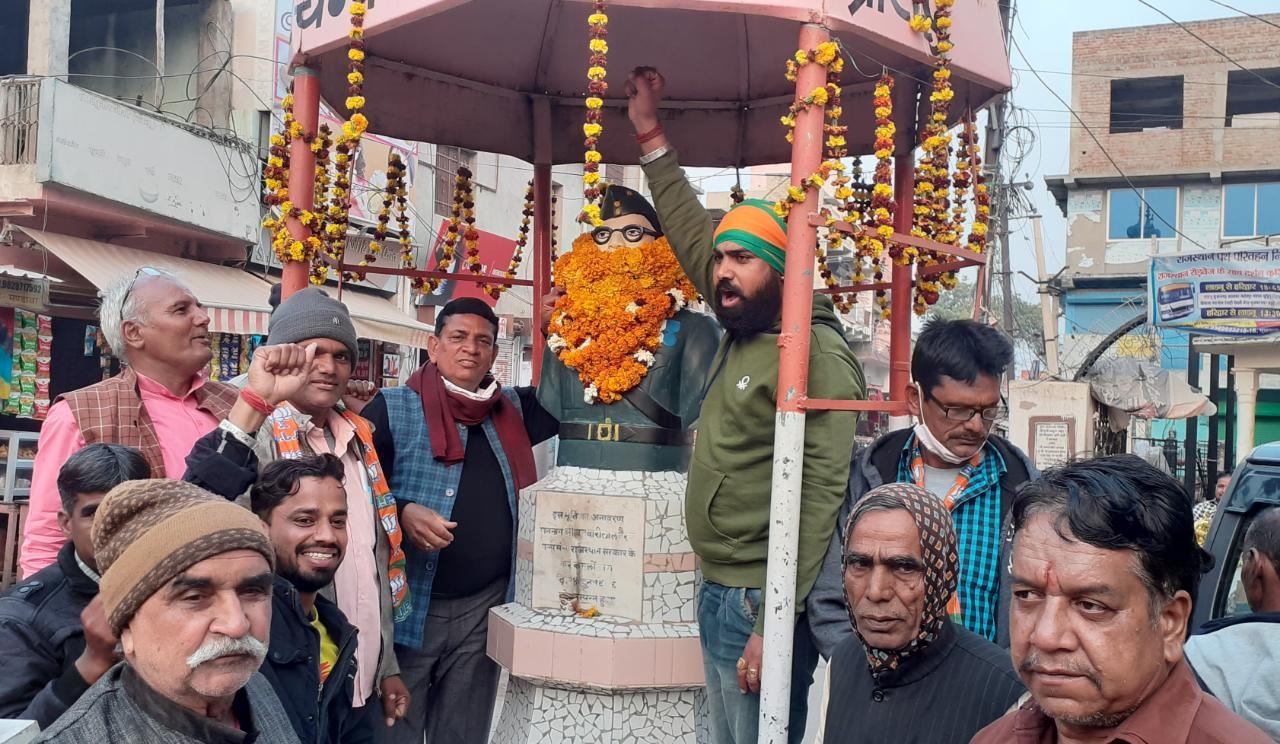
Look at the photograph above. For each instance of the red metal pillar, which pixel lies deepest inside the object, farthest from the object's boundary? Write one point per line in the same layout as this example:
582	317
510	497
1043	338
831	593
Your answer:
900	298
302	170
541	258
789	422
541	224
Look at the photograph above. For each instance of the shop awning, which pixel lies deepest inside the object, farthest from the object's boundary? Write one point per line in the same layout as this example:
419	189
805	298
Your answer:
237	300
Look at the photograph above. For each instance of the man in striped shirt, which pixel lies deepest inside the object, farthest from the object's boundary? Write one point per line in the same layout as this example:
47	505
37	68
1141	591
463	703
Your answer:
951	452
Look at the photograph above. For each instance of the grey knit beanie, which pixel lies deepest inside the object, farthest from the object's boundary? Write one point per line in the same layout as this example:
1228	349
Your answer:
311	313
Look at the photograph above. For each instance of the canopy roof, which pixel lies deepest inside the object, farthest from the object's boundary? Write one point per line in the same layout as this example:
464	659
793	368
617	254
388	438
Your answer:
476	73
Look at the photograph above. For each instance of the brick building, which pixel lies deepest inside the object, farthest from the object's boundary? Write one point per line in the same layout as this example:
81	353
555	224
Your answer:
1194	134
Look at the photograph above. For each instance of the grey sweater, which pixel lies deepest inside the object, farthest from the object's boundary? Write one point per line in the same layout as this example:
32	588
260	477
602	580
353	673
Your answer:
1238	661
121	707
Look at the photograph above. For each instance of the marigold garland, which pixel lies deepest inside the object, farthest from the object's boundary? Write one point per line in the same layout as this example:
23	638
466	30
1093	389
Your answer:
878	239
828	55
608	325
338	212
285	246
592	128
453	231
522	239
836	151
932	200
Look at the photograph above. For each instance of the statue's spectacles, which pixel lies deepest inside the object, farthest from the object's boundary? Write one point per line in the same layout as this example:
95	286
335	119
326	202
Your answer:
630	233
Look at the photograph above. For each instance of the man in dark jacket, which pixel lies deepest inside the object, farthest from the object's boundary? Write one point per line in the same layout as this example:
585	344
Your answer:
55	638
908	657
304	506
311	662
951	452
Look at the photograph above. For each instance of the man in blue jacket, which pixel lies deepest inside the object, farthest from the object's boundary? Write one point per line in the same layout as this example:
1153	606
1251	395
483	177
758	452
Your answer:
952	453
55	639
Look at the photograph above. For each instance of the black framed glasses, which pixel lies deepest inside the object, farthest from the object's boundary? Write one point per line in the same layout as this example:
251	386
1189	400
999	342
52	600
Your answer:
630	233
963	414
147	270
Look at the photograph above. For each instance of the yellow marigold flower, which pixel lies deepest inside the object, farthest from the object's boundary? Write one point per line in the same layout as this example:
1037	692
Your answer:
591	129
599	46
881	91
945	46
882	154
943	22
360	122
598	19
979	228
355	77
943	4
592	156
882	214
787	121
885	232
781	209
358	9
802	57
838	65
594	103
595	72
920	24
882	189
795	194
843	193
306	218
835	112
815	180
275	162
826	53
355	103
835	141
355	55
295	130
277	140
942	73
819	96
591	178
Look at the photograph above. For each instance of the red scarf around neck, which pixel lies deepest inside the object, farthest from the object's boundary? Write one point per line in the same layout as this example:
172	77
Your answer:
443	410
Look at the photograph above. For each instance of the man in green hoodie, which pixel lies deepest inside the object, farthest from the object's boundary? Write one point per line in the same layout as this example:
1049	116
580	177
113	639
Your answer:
738	267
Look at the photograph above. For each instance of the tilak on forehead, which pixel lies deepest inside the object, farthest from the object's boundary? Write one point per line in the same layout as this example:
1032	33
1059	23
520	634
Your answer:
941	565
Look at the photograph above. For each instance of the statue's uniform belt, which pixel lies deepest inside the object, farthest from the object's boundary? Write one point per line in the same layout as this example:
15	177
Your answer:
611	432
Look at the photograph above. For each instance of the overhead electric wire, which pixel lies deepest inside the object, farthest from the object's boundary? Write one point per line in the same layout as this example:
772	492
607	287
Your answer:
1200	39
1245	13
1089	130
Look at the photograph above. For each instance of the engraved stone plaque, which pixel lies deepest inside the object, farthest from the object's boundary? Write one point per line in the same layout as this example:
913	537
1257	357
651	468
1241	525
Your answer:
589	550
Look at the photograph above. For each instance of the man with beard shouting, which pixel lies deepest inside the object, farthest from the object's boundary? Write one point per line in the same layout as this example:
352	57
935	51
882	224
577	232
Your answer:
738	266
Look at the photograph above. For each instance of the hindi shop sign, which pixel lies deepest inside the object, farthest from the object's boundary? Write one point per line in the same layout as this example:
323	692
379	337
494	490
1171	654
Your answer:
1223	293
589	549
28	293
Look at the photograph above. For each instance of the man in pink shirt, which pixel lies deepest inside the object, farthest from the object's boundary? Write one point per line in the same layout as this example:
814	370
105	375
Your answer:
369	587
160	404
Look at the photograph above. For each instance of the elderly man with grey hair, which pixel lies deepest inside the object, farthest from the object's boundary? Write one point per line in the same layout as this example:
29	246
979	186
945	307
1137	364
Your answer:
160	404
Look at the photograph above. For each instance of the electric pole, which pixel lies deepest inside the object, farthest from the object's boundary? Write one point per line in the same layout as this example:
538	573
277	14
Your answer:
1000	186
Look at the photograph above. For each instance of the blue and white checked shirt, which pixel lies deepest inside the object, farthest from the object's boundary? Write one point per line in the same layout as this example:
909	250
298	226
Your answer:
976	515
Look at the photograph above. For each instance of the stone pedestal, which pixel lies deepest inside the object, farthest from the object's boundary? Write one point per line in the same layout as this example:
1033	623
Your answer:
611	542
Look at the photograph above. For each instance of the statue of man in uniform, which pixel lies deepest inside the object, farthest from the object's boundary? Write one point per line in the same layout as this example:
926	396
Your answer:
627	362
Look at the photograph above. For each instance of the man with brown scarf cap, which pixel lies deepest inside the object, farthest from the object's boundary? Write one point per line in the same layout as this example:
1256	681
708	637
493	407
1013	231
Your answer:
909	673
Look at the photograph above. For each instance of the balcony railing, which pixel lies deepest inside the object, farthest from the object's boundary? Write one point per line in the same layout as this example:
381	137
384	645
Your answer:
19	114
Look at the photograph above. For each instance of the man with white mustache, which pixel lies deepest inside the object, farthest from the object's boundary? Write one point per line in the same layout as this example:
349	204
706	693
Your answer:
186	586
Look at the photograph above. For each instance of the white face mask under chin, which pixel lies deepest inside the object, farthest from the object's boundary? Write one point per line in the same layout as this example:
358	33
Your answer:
932	444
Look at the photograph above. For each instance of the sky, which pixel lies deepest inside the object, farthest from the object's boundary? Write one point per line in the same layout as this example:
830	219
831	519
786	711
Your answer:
1043	30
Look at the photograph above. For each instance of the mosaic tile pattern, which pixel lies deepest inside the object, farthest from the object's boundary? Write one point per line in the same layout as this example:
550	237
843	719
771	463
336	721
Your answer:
533	714
547	711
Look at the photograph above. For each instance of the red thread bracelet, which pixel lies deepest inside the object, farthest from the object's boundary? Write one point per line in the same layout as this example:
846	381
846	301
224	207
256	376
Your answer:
256	402
651	134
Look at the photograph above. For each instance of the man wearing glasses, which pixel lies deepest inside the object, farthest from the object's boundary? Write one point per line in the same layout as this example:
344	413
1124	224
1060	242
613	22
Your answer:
160	404
952	453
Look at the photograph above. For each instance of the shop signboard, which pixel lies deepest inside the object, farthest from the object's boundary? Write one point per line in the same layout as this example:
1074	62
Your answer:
28	293
1222	293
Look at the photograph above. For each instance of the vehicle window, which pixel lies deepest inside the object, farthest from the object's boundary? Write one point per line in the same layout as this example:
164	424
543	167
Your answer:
1234	603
